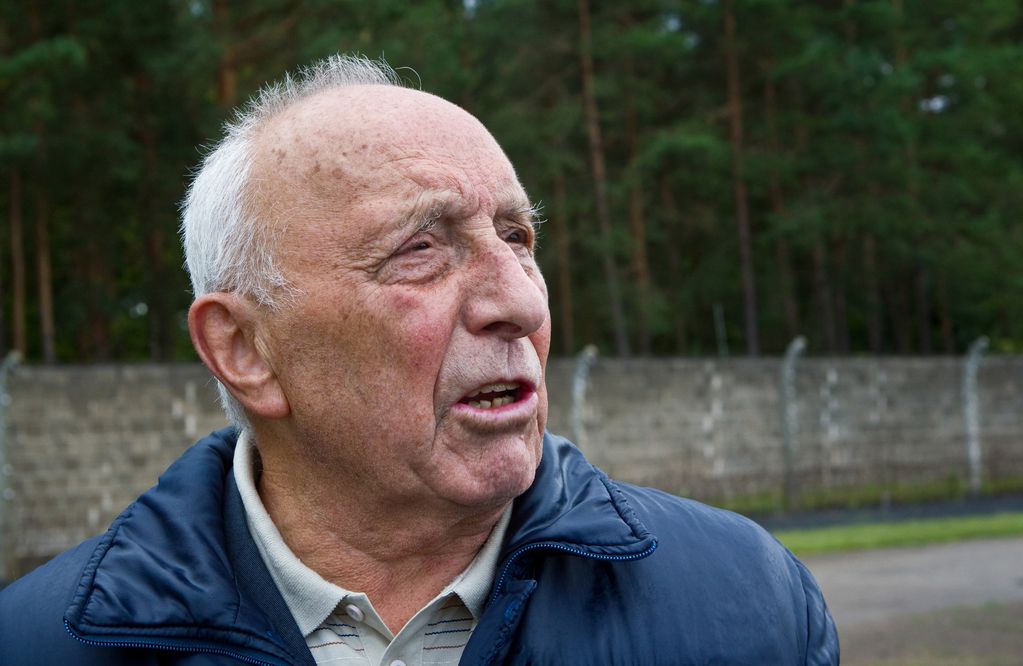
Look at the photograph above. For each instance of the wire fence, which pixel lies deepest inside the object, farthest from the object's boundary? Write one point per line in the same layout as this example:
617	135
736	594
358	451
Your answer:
796	432
79	443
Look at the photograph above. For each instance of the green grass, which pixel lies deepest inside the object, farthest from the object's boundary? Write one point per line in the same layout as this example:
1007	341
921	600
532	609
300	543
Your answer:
951	488
895	534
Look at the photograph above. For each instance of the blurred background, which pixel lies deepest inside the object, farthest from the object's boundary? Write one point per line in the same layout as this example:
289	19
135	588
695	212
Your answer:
717	177
783	245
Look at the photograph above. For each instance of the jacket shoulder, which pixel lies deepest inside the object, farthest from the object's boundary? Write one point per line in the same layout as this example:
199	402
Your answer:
724	561
32	610
670	516
717	588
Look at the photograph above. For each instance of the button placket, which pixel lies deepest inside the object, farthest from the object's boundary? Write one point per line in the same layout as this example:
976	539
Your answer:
354	612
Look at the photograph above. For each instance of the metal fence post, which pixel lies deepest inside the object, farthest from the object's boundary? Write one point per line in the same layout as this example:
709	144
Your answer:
580	378
971	415
789	420
6	493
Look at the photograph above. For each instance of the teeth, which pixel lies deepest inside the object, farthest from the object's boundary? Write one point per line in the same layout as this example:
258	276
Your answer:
491	404
494	388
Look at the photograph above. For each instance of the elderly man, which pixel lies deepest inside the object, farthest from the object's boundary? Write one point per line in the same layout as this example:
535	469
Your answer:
367	296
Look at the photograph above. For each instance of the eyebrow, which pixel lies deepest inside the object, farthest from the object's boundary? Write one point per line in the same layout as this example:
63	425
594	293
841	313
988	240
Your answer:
428	208
528	212
431	206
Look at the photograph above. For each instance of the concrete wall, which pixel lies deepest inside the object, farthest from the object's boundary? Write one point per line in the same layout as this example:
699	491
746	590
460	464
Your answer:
713	429
83	442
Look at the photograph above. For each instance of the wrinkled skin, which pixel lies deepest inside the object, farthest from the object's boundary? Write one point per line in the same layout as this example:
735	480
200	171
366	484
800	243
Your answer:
390	326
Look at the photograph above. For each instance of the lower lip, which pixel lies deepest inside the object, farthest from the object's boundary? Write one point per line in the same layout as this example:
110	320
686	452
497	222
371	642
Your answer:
515	413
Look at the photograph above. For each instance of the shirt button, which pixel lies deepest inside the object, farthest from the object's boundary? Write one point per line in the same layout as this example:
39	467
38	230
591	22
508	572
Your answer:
354	612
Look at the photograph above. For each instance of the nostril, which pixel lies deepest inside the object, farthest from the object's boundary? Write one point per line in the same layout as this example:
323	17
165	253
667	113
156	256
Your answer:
504	328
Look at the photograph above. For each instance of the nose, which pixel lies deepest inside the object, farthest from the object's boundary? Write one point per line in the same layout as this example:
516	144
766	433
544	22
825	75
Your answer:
505	295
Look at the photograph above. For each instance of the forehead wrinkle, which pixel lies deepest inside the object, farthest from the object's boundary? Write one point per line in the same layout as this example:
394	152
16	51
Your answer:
429	206
513	203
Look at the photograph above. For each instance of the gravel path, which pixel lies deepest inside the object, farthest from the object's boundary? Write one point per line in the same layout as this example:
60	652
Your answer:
958	603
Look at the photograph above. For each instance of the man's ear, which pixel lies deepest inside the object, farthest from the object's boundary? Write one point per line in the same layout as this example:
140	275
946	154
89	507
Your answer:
223	329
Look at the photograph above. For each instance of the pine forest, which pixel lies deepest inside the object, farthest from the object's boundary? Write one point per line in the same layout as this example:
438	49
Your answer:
716	176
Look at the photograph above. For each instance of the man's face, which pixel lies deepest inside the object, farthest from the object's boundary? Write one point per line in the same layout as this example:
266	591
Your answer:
408	241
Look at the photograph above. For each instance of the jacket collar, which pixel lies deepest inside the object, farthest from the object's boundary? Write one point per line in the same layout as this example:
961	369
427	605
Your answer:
172	572
572	503
156	570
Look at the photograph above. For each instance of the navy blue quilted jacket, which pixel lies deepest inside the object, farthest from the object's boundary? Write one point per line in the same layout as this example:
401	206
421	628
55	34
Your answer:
592	572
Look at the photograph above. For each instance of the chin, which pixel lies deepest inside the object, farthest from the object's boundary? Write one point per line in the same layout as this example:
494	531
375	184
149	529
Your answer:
497	488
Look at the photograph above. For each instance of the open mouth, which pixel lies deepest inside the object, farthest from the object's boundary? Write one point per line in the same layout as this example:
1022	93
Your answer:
493	396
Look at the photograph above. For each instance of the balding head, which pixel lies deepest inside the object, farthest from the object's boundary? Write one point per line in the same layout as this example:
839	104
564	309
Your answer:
228	246
408	359
331	154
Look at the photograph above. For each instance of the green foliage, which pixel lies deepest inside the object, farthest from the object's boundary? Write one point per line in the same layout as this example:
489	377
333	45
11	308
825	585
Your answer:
881	152
897	534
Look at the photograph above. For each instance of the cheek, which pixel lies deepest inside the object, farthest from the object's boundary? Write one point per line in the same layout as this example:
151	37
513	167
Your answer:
541	341
421	327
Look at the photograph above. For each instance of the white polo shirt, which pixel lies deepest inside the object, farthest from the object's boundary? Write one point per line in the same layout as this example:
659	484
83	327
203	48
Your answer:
341	626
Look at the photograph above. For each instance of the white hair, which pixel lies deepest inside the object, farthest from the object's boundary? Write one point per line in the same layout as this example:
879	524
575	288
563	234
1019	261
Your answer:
229	243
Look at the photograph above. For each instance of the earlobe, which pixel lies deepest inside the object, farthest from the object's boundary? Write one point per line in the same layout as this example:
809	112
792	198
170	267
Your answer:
223	330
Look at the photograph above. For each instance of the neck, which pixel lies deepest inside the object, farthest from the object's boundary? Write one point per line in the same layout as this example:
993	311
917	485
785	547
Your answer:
398	553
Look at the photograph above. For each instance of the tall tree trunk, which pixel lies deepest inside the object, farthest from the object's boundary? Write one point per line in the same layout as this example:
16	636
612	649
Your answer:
227	67
739	183
637	224
160	315
44	272
640	266
44	275
875	314
822	292
899	304
562	244
947	331
838	298
864	174
923	310
786	280
674	268
17	263
596	145
907	104
98	334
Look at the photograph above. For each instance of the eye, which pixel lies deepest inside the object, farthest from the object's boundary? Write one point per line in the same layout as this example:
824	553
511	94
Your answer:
518	236
416	245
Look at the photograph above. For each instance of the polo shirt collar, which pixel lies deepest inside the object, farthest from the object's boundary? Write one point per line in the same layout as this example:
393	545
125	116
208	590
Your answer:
309	597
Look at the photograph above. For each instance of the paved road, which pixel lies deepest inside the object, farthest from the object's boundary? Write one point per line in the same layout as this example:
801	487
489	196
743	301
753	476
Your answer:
876	585
951	604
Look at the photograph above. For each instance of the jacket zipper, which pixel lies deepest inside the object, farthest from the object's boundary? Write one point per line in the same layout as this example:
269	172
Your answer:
567	549
165	646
